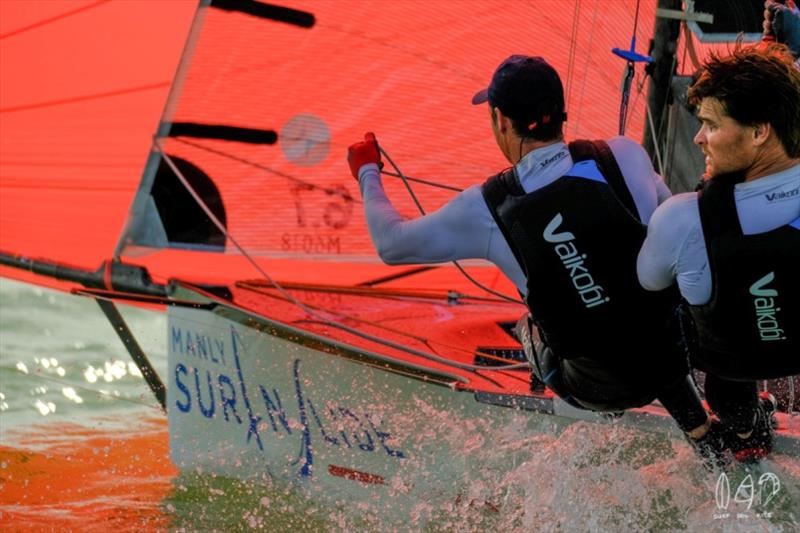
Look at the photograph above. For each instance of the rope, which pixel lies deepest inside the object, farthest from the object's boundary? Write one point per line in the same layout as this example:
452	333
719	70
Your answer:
586	69
418	338
665	106
655	140
309	311
422	181
265	168
573	46
636	18
422	210
396	174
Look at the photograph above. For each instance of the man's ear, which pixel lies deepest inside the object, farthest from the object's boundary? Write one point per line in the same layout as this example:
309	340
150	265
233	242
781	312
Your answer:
503	122
761	133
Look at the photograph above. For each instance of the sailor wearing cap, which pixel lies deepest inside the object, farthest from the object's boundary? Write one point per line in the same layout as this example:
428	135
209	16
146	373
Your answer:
565	224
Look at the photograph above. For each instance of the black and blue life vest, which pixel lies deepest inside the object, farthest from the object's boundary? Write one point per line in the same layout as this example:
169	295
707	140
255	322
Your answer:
750	328
577	241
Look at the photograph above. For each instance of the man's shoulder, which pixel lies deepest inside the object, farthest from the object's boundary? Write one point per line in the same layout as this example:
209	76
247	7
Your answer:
624	148
678	215
621	147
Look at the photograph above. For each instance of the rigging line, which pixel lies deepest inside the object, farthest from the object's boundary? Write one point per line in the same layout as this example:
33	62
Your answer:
244	161
422	181
572	48
636	18
665	105
202	204
424	340
631	58
376	292
83	98
54	18
639	89
586	69
683	30
457	265
392	277
265	168
648	114
655	139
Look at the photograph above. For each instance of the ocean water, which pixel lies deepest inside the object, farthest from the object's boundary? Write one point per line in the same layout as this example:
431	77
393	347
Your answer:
84	447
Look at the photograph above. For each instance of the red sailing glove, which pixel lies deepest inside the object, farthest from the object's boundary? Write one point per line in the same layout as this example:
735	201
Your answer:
363	153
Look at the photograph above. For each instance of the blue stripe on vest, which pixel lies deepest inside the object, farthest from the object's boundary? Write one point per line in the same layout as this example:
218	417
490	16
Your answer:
795	223
587	170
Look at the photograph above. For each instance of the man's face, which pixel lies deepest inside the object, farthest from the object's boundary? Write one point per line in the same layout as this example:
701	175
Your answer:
725	143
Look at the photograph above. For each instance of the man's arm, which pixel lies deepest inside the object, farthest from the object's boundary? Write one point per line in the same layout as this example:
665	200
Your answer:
666	234
460	229
644	183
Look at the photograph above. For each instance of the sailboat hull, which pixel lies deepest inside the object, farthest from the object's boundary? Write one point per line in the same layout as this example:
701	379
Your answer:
257	399
248	404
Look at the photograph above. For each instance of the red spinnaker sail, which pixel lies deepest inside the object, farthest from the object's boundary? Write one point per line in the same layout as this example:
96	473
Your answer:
266	101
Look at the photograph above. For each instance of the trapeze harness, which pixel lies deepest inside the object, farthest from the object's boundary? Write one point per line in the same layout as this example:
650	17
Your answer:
605	342
750	328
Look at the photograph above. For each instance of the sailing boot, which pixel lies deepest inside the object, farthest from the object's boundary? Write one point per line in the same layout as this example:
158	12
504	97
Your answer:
712	448
759	444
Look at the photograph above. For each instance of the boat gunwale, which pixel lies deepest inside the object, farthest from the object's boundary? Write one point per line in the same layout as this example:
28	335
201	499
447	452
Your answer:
254	320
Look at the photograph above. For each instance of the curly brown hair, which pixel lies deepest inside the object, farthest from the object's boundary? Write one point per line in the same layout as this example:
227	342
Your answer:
755	85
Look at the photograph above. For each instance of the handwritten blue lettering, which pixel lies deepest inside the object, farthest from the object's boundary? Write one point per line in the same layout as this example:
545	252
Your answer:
254	420
382	438
356	430
277	408
208	412
226	400
185	407
177	340
192	343
321	426
305	441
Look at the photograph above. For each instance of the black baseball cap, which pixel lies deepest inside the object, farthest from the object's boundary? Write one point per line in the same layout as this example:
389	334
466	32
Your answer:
526	89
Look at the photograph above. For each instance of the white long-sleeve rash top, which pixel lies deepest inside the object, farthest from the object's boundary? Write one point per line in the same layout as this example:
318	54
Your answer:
463	228
675	247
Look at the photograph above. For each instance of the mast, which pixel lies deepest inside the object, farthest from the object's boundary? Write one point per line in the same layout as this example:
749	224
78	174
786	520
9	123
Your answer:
663	48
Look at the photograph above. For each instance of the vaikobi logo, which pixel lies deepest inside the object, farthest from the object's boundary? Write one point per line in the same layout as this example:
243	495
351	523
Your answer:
748	492
782	195
591	293
766	311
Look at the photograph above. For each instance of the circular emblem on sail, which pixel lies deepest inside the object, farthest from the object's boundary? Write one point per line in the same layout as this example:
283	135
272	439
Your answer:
305	140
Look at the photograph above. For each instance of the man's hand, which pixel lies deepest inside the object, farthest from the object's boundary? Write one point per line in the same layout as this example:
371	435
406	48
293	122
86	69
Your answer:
363	153
783	22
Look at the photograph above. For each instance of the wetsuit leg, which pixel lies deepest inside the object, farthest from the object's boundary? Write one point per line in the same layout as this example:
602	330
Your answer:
682	401
547	368
734	402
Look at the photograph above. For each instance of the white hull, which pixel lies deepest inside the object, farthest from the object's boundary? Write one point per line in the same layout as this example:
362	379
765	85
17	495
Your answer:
290	413
254	399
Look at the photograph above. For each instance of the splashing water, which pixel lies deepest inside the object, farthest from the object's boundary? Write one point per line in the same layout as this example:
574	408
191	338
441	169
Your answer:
102	463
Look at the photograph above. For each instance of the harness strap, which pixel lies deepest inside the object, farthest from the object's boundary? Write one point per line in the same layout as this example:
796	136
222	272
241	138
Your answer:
717	205
495	190
599	150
